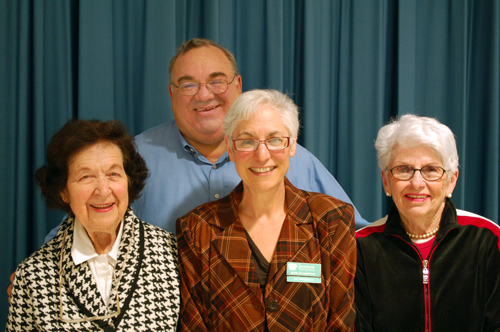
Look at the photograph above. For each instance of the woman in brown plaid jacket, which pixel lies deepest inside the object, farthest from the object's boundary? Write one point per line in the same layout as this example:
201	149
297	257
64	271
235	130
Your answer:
268	257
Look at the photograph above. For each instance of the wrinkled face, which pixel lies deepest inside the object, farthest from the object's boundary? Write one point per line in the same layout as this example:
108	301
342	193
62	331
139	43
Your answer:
200	118
418	200
261	170
97	187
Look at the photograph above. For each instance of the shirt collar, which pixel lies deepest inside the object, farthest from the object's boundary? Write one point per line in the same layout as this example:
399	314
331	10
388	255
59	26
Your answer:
191	150
83	249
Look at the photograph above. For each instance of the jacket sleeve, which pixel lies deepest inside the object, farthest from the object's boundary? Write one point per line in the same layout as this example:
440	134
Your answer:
341	315
363	305
492	307
21	311
191	314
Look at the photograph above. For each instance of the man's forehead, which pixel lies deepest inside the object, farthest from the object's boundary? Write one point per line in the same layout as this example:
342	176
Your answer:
207	60
211	76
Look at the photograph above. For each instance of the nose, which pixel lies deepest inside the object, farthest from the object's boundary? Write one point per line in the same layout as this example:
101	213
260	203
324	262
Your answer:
262	151
417	181
102	187
203	94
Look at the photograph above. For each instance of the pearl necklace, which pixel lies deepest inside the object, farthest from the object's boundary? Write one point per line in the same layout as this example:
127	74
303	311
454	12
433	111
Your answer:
425	235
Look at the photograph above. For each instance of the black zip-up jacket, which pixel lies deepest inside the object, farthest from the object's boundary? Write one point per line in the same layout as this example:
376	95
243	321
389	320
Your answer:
463	288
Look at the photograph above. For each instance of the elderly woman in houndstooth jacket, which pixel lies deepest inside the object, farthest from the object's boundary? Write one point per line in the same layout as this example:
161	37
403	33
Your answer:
105	270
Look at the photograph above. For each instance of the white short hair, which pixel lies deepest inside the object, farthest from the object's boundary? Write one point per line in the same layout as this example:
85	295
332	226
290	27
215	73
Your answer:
250	102
413	130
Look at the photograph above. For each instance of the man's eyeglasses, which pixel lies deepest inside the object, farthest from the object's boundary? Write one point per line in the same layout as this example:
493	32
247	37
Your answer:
272	144
215	87
429	173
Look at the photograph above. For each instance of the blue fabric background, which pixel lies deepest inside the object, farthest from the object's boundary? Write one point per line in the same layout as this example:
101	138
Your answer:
349	65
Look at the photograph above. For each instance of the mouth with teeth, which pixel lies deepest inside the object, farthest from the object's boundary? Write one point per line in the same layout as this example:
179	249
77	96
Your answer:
206	109
262	169
418	198
102	206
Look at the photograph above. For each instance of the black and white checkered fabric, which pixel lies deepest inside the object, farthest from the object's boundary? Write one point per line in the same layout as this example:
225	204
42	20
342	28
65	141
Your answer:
148	290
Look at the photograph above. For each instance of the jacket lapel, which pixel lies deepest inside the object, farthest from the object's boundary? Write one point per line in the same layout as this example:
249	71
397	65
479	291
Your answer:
297	241
230	240
128	265
79	286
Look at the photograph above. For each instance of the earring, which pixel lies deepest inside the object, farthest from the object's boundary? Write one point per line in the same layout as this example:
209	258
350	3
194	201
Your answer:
387	194
449	195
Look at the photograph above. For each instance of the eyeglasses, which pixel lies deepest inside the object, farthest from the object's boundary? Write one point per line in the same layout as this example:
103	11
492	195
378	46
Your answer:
215	87
272	144
429	173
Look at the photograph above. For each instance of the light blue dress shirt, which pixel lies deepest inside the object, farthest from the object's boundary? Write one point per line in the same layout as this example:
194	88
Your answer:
182	179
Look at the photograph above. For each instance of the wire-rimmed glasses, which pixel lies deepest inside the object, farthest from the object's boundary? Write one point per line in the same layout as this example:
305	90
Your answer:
215	87
429	173
272	144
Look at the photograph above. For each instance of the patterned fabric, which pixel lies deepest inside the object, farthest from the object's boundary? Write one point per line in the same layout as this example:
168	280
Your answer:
148	290
219	285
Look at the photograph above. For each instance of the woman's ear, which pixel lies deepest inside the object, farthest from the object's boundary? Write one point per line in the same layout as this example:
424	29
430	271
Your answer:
229	148
64	195
385	183
293	146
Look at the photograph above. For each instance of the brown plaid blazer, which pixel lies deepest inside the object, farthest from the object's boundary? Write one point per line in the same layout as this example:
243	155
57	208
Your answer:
219	286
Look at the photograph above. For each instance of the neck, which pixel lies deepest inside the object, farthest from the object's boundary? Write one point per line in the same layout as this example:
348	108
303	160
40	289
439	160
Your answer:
103	241
423	226
256	205
211	151
262	216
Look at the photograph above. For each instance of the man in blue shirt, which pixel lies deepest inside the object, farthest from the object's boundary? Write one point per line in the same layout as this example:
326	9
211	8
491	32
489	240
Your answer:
187	157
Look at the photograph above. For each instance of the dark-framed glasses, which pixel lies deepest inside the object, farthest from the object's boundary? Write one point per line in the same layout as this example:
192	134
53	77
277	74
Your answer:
272	144
429	173
215	87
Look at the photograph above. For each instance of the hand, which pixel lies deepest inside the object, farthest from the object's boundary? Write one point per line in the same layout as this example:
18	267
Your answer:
9	289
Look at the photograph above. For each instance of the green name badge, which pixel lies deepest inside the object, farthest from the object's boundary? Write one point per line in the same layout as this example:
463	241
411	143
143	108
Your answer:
303	272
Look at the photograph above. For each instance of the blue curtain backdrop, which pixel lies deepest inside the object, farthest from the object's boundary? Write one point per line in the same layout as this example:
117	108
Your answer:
349	65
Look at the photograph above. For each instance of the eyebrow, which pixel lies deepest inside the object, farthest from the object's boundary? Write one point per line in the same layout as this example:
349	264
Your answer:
89	169
211	76
272	134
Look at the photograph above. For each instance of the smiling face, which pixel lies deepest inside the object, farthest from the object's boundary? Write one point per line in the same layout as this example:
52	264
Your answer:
97	187
200	117
261	170
418	201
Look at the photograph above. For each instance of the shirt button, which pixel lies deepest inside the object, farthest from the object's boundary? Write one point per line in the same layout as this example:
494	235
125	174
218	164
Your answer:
273	306
216	195
215	167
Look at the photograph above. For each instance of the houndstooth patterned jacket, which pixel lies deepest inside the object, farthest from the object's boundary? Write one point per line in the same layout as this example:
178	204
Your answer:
148	290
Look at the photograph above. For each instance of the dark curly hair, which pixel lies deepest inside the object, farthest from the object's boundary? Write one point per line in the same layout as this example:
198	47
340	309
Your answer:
76	135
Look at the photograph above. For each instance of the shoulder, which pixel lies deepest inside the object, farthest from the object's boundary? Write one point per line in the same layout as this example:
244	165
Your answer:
373	228
153	232
158	133
328	213
469	218
322	202
158	233
304	159
217	212
484	227
42	262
